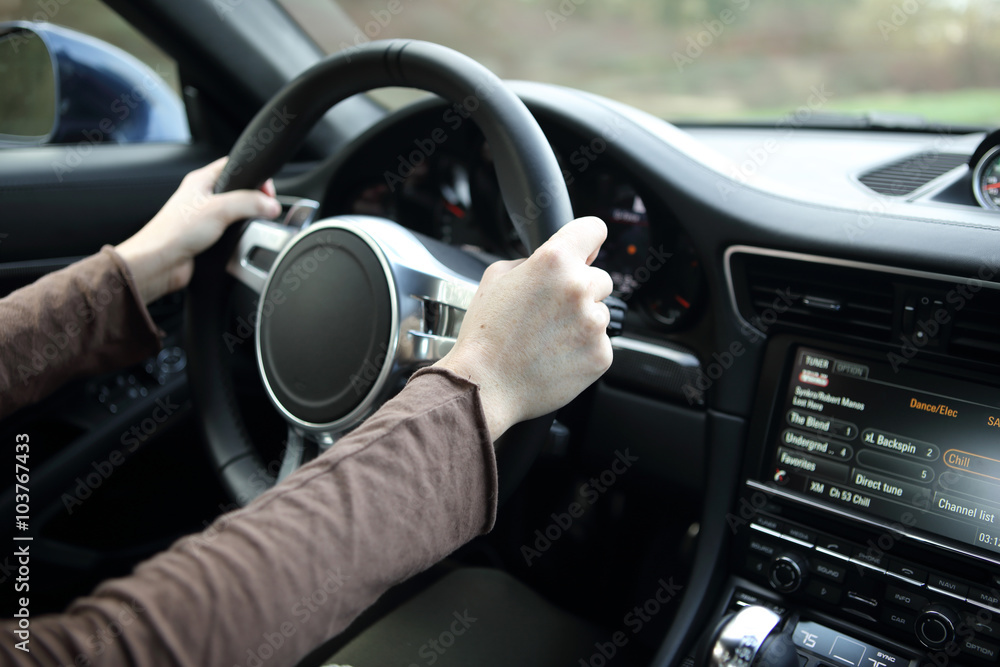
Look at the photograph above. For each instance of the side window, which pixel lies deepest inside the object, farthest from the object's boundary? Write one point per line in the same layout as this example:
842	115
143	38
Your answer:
74	71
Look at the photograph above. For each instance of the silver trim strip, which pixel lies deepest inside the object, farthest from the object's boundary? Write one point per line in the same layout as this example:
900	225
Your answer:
766	531
795	540
902	530
983	606
953	596
912	582
867	565
670	354
832	261
834	554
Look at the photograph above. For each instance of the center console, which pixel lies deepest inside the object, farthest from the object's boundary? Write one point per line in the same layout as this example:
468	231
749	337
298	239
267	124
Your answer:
869	514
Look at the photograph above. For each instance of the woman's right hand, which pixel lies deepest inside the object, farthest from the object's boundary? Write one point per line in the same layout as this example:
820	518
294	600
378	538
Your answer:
535	336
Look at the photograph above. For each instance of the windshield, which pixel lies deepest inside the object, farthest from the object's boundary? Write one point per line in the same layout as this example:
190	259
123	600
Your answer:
712	59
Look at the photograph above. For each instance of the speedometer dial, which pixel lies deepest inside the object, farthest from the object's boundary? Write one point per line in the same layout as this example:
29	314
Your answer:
986	179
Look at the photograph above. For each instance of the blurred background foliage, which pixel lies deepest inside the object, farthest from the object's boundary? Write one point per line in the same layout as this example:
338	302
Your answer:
713	59
681	60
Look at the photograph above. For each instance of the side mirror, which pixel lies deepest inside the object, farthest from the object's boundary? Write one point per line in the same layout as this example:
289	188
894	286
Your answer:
61	86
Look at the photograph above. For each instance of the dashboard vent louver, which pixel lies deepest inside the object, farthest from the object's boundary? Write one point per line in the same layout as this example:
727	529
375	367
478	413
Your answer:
975	329
817	296
911	173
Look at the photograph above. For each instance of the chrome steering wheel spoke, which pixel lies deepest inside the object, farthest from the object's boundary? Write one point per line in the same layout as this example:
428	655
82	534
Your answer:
261	242
294	455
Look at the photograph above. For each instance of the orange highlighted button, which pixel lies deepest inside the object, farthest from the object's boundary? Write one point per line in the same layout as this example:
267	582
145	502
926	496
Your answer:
973	463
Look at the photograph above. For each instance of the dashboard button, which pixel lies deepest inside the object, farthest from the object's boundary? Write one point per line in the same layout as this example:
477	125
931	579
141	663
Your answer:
828	570
762	547
899	619
981	649
801	534
947	584
904	569
757	565
769	522
984	597
983	623
906	598
868	556
833	546
745	598
863	600
824	591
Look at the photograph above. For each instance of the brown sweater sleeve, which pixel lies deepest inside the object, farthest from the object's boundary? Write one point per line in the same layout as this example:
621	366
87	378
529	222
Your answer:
268	583
82	320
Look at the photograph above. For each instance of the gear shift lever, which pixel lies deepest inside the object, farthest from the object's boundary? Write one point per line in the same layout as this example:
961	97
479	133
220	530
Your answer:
751	638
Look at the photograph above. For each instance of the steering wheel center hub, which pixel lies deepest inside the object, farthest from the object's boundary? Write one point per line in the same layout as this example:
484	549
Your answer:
325	334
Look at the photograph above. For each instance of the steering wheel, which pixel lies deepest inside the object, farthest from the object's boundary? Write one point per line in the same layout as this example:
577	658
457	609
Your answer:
350	306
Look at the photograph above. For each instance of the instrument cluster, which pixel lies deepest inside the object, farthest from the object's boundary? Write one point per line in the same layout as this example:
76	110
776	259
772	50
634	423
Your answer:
447	188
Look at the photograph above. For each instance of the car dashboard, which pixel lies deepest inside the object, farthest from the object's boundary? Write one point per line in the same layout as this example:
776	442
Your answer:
812	344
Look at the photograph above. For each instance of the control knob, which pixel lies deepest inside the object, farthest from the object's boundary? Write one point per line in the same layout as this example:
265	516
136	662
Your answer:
935	626
787	572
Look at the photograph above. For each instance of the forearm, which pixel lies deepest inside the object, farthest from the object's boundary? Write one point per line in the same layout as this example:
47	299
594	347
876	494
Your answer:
84	319
412	484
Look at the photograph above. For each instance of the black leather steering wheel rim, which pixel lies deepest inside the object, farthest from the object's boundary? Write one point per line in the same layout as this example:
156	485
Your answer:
531	184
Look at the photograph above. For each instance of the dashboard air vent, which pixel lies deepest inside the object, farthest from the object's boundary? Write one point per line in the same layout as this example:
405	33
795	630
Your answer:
936	315
815	296
911	173
975	330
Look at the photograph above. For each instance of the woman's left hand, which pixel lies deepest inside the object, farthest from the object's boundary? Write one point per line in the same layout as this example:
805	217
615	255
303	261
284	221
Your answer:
161	254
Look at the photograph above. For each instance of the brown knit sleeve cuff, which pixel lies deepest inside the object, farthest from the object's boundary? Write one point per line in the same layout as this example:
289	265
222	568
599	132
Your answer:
141	311
484	440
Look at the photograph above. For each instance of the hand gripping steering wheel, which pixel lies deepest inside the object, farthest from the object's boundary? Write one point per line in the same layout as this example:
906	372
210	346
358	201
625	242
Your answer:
351	305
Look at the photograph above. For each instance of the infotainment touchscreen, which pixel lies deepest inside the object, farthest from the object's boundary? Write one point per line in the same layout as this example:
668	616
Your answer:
897	444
